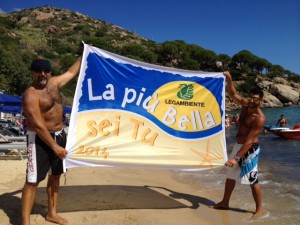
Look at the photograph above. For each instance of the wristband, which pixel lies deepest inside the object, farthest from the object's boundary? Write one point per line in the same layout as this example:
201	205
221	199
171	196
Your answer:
237	159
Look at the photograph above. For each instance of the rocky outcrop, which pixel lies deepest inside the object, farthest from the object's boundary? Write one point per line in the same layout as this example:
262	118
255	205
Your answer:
285	93
271	101
277	93
42	15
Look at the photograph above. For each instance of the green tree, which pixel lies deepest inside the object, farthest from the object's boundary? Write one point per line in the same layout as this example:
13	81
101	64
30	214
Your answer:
149	57
225	61
133	49
247	85
14	71
259	64
208	60
189	64
168	52
276	70
243	57
102	32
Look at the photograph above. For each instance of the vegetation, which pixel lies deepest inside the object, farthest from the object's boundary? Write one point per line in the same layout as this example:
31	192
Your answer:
57	34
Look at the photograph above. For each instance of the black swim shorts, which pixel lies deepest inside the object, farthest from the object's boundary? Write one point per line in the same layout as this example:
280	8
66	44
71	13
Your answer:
41	158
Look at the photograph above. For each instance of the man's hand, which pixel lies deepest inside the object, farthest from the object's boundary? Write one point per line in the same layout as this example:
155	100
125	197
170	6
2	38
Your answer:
60	151
228	76
231	163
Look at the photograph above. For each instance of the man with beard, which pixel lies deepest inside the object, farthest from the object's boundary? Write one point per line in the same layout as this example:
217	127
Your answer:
42	106
242	163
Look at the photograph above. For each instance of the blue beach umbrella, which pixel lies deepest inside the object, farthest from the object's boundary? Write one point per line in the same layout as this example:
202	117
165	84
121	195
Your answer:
10	100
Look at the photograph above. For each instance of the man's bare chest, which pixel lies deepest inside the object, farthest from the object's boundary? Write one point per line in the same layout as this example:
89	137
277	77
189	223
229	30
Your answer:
49	99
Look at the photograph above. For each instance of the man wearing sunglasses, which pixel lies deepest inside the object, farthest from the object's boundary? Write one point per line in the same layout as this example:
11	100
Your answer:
42	106
242	163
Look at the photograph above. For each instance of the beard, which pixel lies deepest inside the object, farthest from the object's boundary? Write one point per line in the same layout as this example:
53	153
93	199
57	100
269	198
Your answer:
43	81
253	105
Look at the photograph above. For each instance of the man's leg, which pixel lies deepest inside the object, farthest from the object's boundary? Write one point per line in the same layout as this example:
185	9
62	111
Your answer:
224	204
52	191
28	198
256	192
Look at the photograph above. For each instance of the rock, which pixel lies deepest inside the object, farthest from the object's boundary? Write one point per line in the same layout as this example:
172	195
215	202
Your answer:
53	29
271	101
285	93
42	15
279	80
277	93
265	85
288	104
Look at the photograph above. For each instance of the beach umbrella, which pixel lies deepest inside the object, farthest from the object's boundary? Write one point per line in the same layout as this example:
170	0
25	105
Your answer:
67	110
10	100
11	109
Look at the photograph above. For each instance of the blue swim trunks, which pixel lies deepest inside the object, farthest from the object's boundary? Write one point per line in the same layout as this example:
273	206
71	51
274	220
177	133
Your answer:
247	170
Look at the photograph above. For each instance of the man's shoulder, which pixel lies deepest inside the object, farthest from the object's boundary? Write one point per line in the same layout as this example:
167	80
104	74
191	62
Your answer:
31	92
261	119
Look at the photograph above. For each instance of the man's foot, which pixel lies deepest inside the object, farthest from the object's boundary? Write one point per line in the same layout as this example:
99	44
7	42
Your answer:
57	219
260	213
220	206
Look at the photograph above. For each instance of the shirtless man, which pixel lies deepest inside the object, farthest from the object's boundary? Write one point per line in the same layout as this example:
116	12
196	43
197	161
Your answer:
242	163
42	106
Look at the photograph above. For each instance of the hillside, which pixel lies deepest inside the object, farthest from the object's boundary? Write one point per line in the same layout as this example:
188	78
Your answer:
57	34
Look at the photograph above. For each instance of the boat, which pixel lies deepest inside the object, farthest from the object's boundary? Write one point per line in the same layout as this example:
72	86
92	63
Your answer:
271	128
285	132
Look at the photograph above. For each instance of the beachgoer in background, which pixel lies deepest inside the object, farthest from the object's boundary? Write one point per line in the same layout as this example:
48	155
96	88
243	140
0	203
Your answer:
282	121
24	125
242	163
42	106
235	119
227	121
17	122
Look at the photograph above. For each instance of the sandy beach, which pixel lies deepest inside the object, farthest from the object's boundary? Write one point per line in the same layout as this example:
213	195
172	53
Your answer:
114	195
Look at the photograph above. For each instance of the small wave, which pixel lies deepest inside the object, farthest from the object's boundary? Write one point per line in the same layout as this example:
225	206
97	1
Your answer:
293	194
257	219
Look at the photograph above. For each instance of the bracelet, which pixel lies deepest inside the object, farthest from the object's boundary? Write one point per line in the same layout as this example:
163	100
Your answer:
237	159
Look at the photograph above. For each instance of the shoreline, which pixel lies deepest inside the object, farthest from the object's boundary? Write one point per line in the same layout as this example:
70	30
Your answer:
115	195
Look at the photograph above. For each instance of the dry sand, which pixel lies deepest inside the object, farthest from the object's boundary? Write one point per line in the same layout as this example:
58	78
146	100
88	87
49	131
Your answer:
116	196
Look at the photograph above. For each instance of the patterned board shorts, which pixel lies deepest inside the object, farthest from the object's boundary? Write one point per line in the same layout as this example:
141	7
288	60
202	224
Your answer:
235	173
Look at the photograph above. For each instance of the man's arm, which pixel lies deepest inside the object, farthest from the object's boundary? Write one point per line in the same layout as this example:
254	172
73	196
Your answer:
37	124
232	92
66	77
251	138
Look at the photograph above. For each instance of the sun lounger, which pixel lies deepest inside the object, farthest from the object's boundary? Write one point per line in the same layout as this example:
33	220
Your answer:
8	146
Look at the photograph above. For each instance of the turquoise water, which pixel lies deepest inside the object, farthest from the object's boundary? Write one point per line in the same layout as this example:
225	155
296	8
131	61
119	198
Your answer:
279	174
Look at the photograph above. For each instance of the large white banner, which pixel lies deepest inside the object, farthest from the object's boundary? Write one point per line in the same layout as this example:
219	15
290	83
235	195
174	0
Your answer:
129	113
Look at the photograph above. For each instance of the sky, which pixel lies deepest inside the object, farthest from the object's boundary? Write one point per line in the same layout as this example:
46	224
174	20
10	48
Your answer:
270	29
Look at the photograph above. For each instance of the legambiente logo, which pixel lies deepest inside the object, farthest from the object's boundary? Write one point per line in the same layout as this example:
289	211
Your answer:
186	91
186	106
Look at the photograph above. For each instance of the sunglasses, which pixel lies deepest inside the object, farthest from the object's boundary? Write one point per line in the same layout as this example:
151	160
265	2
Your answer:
40	71
252	98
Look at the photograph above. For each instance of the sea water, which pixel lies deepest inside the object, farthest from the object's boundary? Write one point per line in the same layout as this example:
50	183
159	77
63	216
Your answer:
279	174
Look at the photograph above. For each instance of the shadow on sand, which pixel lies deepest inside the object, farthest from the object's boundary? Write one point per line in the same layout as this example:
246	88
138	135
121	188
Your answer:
10	203
102	197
